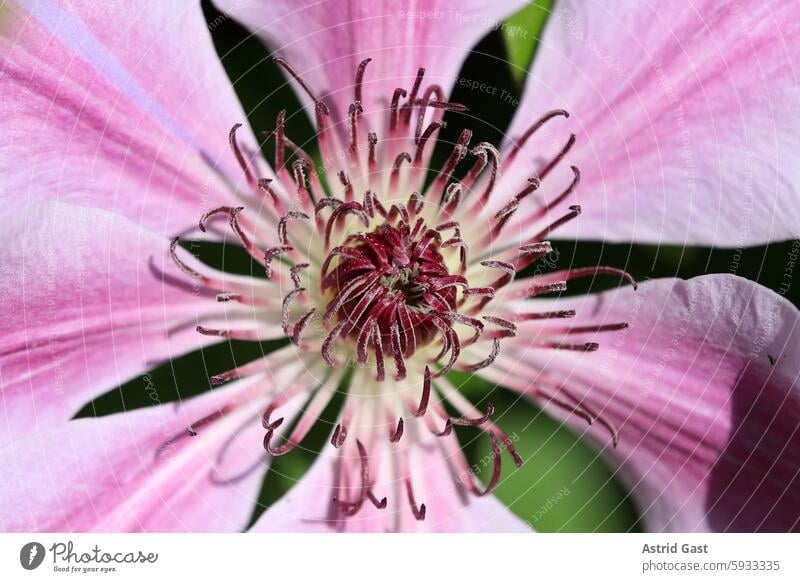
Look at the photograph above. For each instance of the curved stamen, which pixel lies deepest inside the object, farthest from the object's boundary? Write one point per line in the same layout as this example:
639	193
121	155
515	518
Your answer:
282	224
398	432
532	130
350	508
489	359
320	105
239	156
270	254
418	511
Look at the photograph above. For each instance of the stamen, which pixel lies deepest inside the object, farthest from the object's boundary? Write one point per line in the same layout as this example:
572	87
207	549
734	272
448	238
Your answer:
362	66
351	508
355	111
264	186
339	435
270	254
292	214
398	432
301	325
487	154
287	301
574	211
489	359
460	421
560	156
418	511
533	129
412	98
239	334
394	115
239	156
320	105
294	273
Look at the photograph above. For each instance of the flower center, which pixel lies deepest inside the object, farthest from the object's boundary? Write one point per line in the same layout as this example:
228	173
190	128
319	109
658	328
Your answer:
391	286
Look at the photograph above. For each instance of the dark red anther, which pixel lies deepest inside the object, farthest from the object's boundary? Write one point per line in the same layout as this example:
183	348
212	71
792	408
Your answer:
362	66
282	224
270	427
192	429
239	156
398	432
595	328
508	327
598	417
350	508
285	306
339	435
533	129
372	141
412	97
535	316
394	115
494	480
301	324
294	273
461	421
584	347
559	156
354	112
173	251
418	511
270	254
574	211
344	179
378	504
426	394
561	197
264	186
487	155
570	274
398	162
448	428
488	361
319	104
424	137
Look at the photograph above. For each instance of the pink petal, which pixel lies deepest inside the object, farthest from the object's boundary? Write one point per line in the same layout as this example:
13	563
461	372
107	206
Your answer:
90	300
128	110
685	117
704	389
326	40
131	472
306	507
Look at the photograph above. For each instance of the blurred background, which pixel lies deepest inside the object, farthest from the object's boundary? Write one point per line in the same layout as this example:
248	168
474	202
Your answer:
564	484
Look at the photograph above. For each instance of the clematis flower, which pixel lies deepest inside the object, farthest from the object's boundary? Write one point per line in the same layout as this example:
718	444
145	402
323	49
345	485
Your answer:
122	133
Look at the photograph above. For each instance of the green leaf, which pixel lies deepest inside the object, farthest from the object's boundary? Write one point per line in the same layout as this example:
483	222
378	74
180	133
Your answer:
522	32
